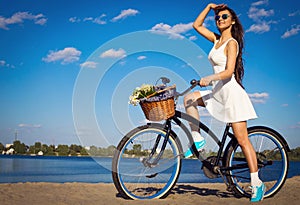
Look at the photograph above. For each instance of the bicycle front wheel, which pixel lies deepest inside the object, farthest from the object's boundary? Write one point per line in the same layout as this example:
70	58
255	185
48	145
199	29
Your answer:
135	174
272	158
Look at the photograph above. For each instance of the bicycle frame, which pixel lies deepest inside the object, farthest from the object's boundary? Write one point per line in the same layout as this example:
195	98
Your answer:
203	127
176	118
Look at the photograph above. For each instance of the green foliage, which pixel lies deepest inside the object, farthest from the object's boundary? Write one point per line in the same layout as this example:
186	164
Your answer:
20	148
103	152
294	155
38	147
49	150
77	150
62	150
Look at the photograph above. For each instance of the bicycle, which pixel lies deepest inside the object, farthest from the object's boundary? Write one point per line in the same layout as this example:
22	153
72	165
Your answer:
147	161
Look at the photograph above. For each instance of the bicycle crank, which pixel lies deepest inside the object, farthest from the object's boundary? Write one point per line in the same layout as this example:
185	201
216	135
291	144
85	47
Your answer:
210	171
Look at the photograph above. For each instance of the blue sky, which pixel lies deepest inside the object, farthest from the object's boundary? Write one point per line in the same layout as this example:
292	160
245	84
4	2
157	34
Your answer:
68	67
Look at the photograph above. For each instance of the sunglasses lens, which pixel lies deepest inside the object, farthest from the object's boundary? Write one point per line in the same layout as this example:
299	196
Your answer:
224	16
217	18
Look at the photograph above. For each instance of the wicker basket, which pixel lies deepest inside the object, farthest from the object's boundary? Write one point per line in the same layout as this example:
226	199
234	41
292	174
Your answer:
159	110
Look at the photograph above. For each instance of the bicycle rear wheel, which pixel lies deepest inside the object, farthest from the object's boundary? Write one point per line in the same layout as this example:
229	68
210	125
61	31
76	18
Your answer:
273	162
134	176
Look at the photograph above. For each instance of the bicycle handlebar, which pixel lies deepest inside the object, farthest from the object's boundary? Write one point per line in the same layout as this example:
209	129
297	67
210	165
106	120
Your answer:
193	83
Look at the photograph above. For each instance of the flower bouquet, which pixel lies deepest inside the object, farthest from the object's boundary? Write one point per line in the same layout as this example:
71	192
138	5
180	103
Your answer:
140	93
157	102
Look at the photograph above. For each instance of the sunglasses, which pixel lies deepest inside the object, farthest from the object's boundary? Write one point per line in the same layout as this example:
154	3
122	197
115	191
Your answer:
224	17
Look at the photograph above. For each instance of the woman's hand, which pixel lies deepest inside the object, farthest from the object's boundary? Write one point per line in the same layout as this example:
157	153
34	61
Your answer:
206	81
217	6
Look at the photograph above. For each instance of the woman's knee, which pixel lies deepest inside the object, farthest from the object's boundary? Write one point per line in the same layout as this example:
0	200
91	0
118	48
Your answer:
191	99
241	133
187	100
243	141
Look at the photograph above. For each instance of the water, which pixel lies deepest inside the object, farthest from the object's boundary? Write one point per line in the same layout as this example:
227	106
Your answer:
15	169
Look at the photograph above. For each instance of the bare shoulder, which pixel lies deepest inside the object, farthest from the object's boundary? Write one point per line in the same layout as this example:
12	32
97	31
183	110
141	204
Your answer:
232	44
232	47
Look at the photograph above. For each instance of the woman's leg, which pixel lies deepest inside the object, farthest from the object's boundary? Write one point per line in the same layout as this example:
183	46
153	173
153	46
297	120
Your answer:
191	101
241	134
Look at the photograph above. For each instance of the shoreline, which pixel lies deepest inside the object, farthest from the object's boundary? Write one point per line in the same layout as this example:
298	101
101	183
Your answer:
105	193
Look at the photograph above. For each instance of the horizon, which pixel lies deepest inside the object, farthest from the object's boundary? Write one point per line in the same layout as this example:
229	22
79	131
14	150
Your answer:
66	74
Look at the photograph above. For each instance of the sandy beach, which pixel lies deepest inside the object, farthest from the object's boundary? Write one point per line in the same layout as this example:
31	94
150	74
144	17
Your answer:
100	193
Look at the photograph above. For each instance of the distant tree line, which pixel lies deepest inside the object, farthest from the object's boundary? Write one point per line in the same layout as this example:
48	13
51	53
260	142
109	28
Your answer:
20	148
295	154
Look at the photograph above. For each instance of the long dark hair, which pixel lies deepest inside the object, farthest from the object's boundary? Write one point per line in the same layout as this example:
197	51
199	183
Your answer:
237	33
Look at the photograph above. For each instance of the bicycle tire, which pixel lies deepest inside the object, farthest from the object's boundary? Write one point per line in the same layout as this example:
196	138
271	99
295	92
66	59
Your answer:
132	178
270	149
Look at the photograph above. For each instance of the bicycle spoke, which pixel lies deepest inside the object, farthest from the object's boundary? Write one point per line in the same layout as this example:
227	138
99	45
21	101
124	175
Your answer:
144	170
272	162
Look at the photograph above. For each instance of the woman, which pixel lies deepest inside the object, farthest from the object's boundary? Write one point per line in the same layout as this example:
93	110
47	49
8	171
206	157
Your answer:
228	100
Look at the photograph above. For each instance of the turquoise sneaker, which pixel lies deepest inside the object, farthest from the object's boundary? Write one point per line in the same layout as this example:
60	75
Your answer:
258	193
199	145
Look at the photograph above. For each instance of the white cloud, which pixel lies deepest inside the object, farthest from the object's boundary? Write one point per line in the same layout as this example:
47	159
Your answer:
141	57
182	28
112	53
259	98
29	125
174	32
209	19
258	3
41	21
74	19
96	20
261	27
193	38
67	55
19	17
3	63
88	64
296	13
122	62
88	19
124	14
292	32
99	20
256	14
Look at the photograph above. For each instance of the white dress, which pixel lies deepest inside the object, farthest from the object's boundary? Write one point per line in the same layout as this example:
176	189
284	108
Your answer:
227	101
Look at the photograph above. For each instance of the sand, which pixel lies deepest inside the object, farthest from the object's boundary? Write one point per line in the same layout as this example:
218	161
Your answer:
100	193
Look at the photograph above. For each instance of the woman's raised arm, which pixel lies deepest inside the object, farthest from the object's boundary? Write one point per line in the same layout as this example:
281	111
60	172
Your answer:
198	24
